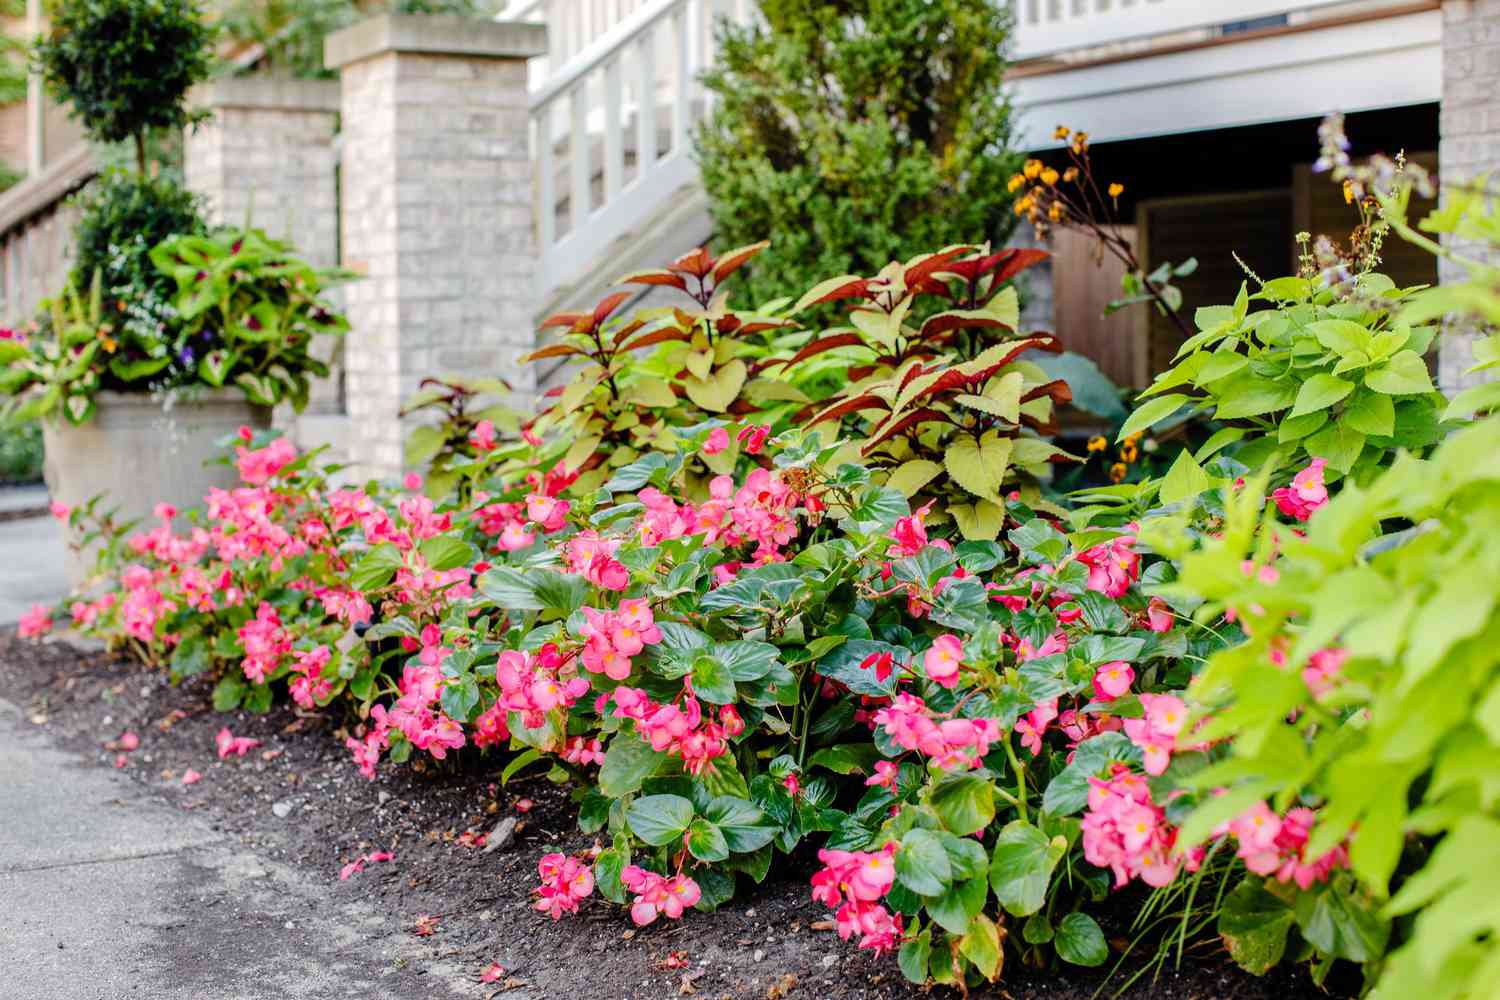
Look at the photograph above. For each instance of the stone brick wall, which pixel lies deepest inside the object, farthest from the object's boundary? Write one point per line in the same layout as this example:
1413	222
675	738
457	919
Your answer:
1470	141
436	203
268	154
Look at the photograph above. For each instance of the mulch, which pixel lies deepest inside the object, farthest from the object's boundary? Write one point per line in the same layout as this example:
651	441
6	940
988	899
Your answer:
299	799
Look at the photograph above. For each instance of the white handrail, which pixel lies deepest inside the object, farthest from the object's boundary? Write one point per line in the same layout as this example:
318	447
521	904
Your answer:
602	49
1049	27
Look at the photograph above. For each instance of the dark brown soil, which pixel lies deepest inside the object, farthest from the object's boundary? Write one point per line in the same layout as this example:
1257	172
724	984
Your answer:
766	945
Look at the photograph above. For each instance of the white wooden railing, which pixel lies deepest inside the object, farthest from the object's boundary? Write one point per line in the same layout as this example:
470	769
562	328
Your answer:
611	127
1049	27
614	102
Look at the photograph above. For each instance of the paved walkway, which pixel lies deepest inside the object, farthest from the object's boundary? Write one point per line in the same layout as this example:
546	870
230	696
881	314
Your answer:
31	565
107	893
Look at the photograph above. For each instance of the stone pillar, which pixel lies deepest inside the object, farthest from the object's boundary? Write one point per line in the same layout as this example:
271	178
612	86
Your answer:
1469	145
436	205
268	154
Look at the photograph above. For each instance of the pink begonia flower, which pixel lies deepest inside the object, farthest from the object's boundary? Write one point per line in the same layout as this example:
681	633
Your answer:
565	882
942	660
492	973
854	882
483	437
657	896
191	777
1113	680
951	743
718	440
1323	669
129	741
1113	565
1274	846
1127	832
228	743
910	533
59	510
1159	617
412	481
34	623
358	864
256	466
1033	725
120	760
1306	493
549	512
164	511
754	437
885	775
1156	732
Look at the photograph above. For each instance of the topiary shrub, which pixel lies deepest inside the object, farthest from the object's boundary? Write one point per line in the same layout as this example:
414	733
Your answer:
123	215
126	65
857	134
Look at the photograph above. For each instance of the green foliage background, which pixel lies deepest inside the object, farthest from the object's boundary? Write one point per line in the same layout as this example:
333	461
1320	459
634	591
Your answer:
855	133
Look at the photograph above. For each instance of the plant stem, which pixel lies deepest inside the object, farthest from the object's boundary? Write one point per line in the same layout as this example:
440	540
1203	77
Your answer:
1015	764
140	152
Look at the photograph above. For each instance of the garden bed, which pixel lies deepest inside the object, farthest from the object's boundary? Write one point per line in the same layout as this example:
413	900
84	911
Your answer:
298	799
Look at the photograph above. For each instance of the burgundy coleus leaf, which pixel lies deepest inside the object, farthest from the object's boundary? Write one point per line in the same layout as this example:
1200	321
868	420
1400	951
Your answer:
864	401
735	259
551	351
697	262
821	344
609	304
654	337
654	277
762	325
848	286
921	415
947	322
574	321
1007	264
1058	389
922	268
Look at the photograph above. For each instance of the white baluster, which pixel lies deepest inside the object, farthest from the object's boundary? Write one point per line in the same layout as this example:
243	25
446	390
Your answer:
578	151
546	193
684	73
614	150
645	102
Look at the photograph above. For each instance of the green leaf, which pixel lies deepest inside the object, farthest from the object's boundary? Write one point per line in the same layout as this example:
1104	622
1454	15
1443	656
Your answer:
1250	395
660	819
914	956
1151	413
922	863
955	908
1184	480
1403	375
744	826
607	868
981	945
628	762
1254	924
712	681
1341	920
1371	413
228	693
964	802
1341	336
847	758
375	568
1022	866
1079	941
979	465
705	841
1320	392
445	552
510	589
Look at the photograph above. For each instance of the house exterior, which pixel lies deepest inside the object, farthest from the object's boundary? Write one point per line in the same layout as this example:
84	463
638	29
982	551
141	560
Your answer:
485	175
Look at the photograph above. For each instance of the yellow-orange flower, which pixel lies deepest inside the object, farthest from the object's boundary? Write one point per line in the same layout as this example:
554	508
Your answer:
1117	472
1116	189
1070	175
1049	177
1098	443
1080	142
1129	453
1348	192
1055	213
1016	183
1032	169
1061	132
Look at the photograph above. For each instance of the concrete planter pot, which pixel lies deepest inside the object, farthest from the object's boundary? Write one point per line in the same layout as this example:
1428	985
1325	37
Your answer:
141	449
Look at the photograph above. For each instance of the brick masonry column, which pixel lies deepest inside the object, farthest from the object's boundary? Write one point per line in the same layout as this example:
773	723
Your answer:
436	206
1469	145
268	153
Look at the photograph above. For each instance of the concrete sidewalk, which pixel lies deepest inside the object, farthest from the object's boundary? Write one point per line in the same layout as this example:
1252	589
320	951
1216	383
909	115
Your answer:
107	892
31	566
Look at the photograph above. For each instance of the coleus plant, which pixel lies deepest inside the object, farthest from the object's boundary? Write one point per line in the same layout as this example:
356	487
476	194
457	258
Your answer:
940	411
57	370
618	405
460	438
251	312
